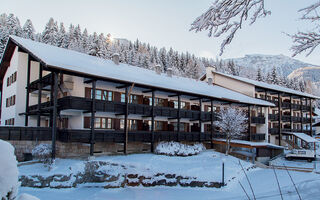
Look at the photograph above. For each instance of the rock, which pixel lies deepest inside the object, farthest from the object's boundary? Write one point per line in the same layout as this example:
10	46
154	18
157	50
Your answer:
132	175
170	175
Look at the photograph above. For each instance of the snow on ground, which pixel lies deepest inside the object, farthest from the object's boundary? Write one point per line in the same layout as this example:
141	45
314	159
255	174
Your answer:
206	165
263	181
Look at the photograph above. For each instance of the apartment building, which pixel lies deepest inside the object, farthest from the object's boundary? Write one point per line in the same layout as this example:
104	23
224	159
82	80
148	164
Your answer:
292	112
82	104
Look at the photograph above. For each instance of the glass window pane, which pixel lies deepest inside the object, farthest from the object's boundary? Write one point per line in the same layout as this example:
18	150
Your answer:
109	124
98	94
121	123
110	96
103	123
97	122
123	98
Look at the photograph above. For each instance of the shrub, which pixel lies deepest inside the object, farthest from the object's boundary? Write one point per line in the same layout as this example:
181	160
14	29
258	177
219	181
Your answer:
178	149
42	152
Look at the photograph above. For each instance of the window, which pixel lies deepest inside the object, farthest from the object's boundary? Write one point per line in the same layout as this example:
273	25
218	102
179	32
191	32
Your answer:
10	101
11	79
182	104
123	97
158	125
133	99
182	127
9	121
133	125
97	122
157	102
103	123
98	94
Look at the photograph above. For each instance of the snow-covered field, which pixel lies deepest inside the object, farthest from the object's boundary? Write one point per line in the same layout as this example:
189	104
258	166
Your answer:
205	166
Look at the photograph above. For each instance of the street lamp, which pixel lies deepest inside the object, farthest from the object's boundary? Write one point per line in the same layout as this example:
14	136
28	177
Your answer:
223	161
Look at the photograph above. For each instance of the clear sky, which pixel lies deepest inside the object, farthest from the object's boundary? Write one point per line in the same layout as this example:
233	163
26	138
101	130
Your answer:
167	22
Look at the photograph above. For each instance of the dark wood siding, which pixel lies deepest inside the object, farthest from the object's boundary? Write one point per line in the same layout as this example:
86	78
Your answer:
86	122
87	92
117	96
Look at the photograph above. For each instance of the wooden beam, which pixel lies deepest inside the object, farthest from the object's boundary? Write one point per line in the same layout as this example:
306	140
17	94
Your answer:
27	92
178	116
147	91
280	116
152	122
54	116
211	129
125	145
200	118
93	112
249	122
122	86
39	95
88	81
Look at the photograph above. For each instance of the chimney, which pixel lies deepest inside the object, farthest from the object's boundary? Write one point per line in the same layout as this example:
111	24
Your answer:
115	58
158	69
210	81
169	71
209	75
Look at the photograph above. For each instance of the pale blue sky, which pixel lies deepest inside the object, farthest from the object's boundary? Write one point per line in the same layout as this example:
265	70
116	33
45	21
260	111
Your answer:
167	22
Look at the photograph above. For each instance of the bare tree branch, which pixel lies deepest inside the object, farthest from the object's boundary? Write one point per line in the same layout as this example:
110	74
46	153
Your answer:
309	40
225	17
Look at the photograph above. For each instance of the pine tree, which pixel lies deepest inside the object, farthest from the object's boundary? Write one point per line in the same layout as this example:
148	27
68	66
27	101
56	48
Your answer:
259	75
274	76
28	30
50	33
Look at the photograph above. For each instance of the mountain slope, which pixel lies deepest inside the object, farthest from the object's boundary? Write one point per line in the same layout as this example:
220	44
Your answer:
284	64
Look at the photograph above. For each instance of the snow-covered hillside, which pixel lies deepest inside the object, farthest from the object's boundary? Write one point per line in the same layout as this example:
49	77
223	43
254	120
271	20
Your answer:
306	73
284	64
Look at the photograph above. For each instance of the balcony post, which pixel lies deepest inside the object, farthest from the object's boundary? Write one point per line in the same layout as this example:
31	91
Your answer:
211	129
178	117
152	122
249	122
39	96
310	117
27	92
54	115
200	119
93	113
301	115
291	122
125	145
279	115
51	98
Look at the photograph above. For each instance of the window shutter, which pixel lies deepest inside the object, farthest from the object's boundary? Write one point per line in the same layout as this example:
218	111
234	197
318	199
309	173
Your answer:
117	97
140	99
116	124
87	92
140	125
86	122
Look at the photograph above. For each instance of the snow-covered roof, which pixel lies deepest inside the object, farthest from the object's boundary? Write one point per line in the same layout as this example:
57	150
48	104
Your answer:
253	144
81	63
268	86
302	136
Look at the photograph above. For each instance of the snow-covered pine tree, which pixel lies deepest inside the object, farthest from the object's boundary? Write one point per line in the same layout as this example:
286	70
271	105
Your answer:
50	33
274	76
259	75
13	25
28	30
62	37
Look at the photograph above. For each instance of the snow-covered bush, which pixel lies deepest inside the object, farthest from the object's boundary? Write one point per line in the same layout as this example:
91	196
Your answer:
178	149
8	172
42	152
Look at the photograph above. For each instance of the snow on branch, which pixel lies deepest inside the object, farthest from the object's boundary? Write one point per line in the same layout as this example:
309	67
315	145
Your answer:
226	17
307	41
232	123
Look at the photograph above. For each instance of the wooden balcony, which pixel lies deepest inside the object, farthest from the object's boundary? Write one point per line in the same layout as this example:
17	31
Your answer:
84	104
273	117
258	120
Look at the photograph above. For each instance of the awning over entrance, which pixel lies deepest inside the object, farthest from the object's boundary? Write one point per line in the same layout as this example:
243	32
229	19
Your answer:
306	138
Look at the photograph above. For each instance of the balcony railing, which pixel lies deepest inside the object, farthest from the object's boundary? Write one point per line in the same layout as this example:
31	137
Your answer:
273	117
80	103
258	120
